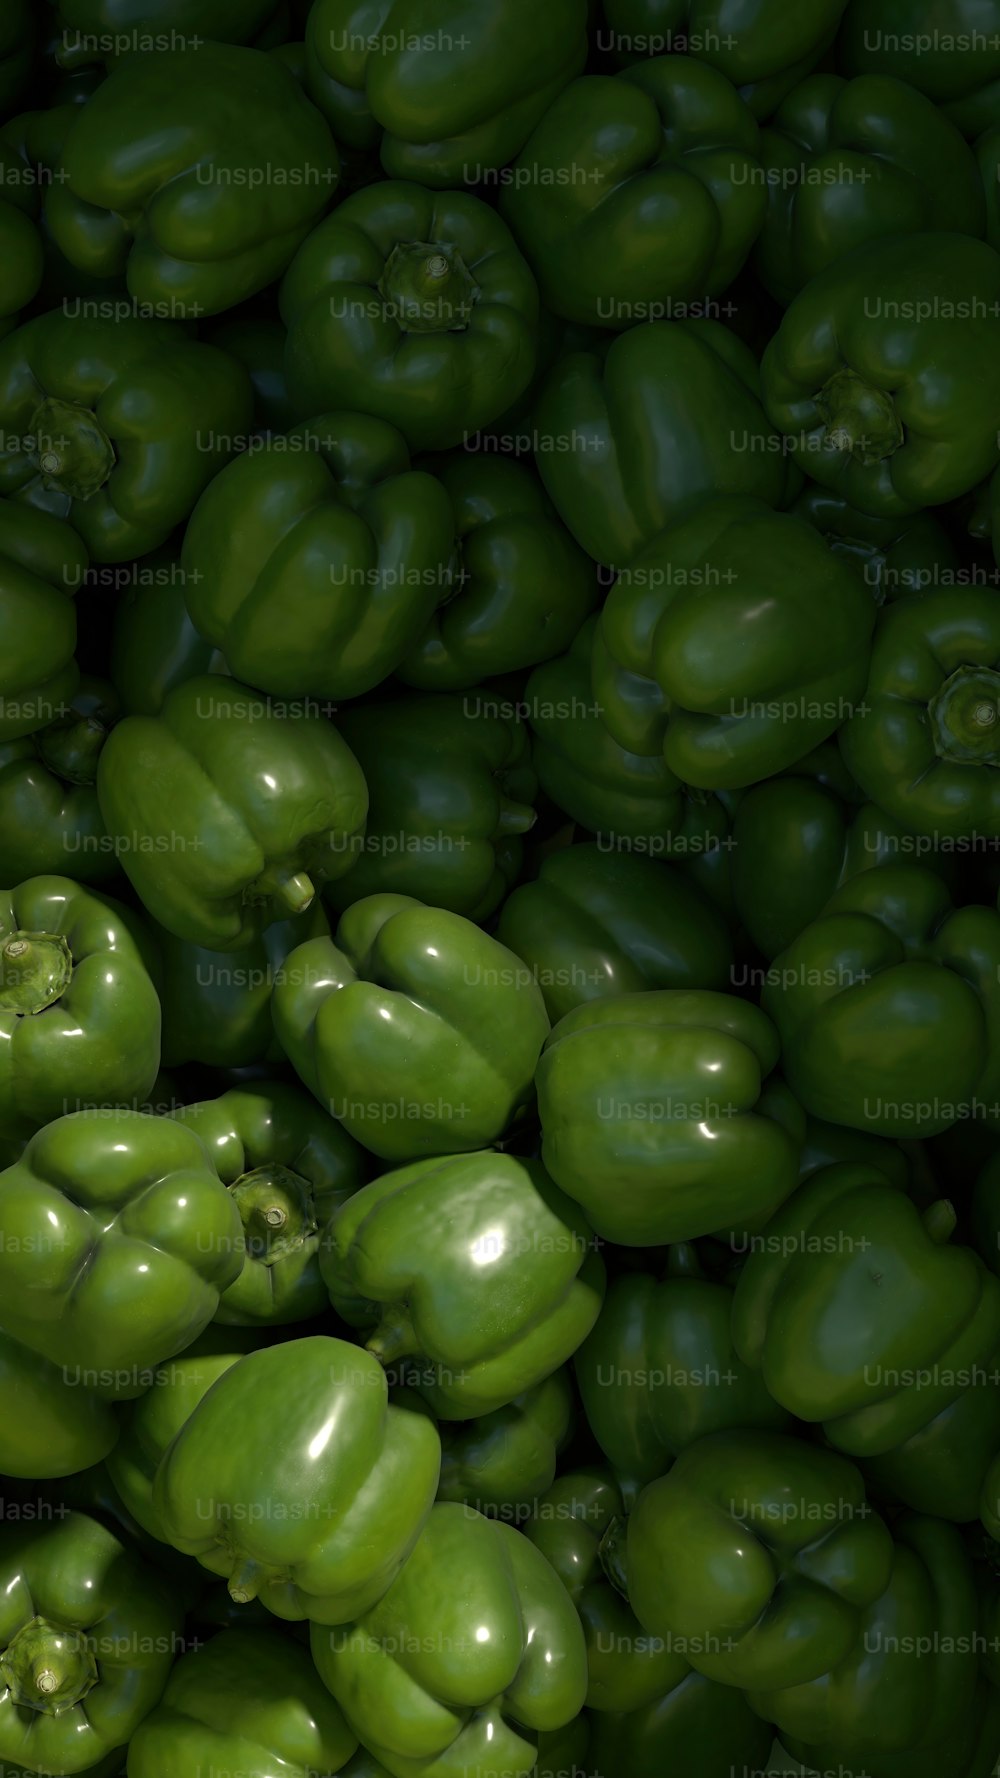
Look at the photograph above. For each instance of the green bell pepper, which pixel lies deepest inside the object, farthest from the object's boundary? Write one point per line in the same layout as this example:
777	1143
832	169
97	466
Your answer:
474	1266
154	644
47	1427
522	586
50	819
318	1518
850	161
473	1651
501	1462
827	1145
655	1117
928	747
969	1751
288	1167
896	557
195	172
217	1007
246	1701
800	837
79	1014
42	567
88	1636
696	1730
891	401
626	1669
414	1028
597	924
149	1425
948	49
107	1299
909	1678
856	1313
314	562
20	240
445	88
115	424
660	1371
760	1553
734	665
638	194
414	307
888	1007
631	436
762	46
451	792
228	808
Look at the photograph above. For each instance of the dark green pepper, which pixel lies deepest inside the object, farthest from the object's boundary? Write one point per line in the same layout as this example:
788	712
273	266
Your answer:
47	1426
42	567
895	557
501	1462
948	49
72	389
50	818
217	1006
451	792
314	562
154	644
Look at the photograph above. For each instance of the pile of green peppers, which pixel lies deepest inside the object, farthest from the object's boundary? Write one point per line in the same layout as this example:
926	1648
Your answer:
500	846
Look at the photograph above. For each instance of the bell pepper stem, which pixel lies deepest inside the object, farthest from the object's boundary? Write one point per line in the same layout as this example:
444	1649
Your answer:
940	1221
244	1582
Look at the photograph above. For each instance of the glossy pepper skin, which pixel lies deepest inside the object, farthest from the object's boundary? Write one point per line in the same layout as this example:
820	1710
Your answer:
444	89
417	1030
660	1371
42	567
415	1250
892	405
596	924
258	341
888	1007
288	1167
849	161
782	1556
892	1695
500	1463
47	1427
88	1636
227	21
195	172
626	1669
734	666
149	1425
427	1690
950	52
216	1005
638	192
79	1015
154	644
115	425
651	1117
313	1525
245	1698
451	791
314	562
106	1300
800	837
228	809
50	818
895	557
522	586
414	307
928	749
761	46
968	1750
631	436
857	1312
